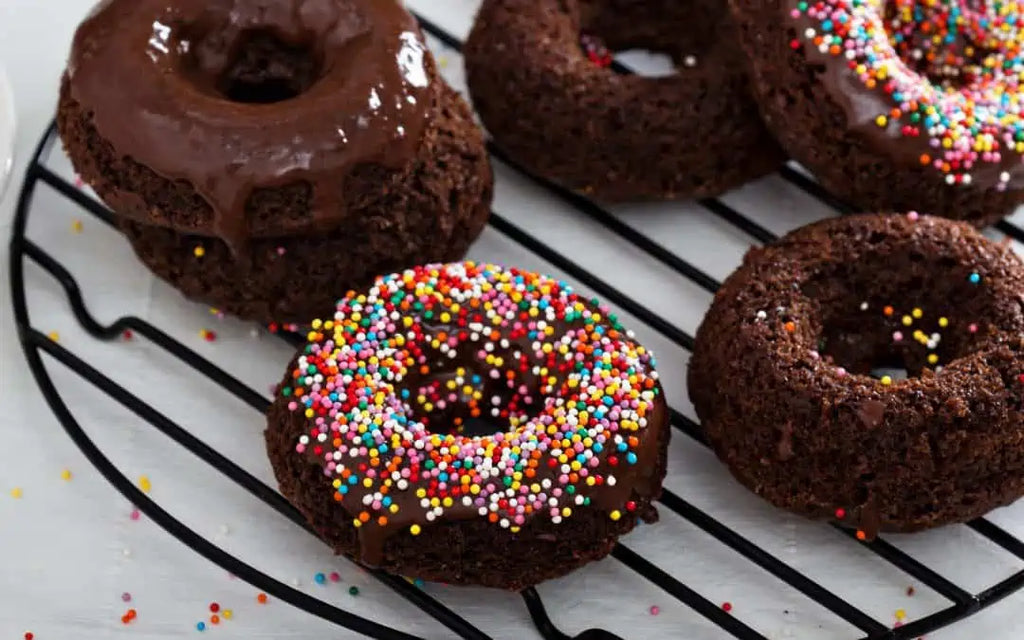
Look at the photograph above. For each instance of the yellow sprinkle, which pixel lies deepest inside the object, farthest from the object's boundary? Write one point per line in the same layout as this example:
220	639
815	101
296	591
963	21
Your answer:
144	484
53	335
933	359
886	380
415	529
881	121
901	615
16	493
226	614
65	474
76	226
943	322
917	313
615	515
907	321
199	251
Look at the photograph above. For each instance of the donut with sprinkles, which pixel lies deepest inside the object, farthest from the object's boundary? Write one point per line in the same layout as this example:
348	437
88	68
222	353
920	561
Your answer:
896	105
869	369
471	424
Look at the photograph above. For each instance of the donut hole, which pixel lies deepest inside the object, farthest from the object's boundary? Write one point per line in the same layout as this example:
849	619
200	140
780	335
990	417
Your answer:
652	39
257	66
463	396
952	46
263	69
899	315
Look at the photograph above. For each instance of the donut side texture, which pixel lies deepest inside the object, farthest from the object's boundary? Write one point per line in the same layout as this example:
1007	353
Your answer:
618	136
809	114
780	375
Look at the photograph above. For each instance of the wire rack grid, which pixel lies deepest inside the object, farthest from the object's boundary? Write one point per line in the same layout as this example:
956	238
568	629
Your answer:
961	601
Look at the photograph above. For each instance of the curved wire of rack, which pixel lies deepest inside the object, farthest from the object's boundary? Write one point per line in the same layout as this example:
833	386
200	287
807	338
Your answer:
962	602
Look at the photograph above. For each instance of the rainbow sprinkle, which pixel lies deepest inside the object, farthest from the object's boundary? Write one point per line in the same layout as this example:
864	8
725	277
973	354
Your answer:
448	339
950	69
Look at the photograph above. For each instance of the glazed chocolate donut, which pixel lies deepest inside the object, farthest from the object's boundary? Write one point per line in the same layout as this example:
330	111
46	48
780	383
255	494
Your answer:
897	105
471	424
789	372
569	118
254	123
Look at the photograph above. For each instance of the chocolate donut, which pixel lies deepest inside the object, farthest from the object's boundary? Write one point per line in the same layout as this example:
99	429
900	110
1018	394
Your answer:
895	106
789	374
471	424
243	124
563	114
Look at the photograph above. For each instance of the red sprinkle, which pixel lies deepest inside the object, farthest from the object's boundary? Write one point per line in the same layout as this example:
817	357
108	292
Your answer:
727	607
335	576
127	335
840	514
214	607
29	635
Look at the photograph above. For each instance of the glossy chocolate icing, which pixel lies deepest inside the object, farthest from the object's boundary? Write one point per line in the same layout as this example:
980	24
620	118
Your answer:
863	105
152	72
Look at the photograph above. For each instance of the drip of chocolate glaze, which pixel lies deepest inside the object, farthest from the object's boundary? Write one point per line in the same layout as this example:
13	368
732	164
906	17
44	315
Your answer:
148	71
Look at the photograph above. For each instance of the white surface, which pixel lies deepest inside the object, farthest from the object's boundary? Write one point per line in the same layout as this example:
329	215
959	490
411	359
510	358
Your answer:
63	560
6	130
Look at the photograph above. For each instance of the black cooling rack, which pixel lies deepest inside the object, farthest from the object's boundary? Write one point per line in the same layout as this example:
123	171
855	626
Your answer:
961	602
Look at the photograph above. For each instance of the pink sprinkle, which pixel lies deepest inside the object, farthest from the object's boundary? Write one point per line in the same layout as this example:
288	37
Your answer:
126	597
335	576
281	251
973	328
841	372
655	610
79	183
135	514
914	216
897	337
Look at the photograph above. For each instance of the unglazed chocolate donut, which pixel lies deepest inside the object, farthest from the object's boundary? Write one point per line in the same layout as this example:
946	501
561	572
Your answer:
786	373
471	424
560	112
896	105
219	131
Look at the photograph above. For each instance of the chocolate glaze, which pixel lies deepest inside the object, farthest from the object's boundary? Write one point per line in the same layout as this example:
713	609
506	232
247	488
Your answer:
642	479
862	105
152	72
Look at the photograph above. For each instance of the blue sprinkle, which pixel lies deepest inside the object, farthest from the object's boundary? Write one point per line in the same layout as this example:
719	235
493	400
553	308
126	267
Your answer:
975	278
631	458
200	626
320	578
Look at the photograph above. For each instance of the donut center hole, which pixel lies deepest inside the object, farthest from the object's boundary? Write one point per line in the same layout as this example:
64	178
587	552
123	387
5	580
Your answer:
255	67
473	395
953	44
263	69
640	38
899	314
